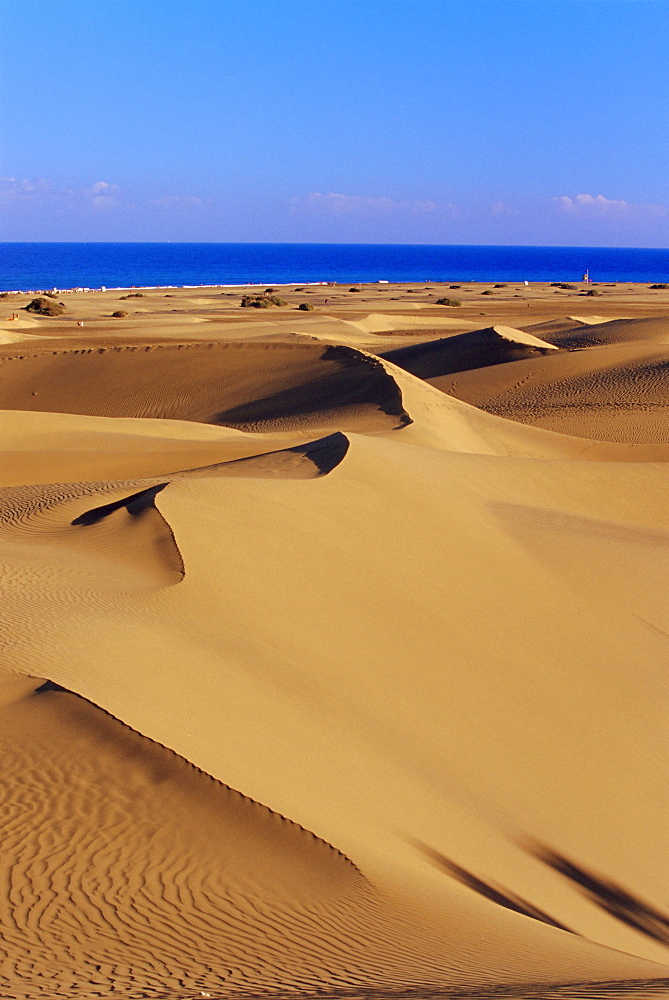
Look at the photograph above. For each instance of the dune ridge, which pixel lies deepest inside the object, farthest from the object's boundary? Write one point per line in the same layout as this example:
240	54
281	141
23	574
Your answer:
463	352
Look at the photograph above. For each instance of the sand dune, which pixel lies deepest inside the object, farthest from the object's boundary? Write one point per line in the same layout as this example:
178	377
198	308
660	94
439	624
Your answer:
440	420
651	329
609	393
244	384
478	349
188	870
319	681
563	324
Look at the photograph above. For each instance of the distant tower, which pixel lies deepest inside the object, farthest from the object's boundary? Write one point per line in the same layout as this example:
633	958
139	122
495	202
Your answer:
586	277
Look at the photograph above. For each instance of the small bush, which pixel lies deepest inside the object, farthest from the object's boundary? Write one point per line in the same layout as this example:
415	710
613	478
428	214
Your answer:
662	287
354	289
305	306
592	291
119	314
488	291
449	302
133	295
45	307
455	286
300	289
254	302
261	301
499	286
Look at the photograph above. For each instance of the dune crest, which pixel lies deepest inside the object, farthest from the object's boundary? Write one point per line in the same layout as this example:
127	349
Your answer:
462	352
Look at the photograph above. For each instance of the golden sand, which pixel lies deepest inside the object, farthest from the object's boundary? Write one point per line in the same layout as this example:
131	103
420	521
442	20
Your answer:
334	645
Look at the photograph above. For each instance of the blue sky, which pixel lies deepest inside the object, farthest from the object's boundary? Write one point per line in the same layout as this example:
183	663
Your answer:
401	121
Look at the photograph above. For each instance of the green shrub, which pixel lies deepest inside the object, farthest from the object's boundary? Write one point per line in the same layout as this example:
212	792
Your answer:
488	291
354	289
658	287
449	302
305	306
592	291
499	286
119	314
45	307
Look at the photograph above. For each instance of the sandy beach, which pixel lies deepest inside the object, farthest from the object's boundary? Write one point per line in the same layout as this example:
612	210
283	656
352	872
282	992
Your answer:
334	643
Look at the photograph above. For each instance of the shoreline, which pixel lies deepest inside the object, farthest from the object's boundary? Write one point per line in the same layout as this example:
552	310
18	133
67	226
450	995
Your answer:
363	285
159	288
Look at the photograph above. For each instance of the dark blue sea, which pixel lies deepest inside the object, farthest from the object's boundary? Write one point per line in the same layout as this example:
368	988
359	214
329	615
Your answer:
36	266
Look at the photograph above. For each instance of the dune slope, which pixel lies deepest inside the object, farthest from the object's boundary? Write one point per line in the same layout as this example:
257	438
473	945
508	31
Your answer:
645	329
609	393
318	681
247	384
478	349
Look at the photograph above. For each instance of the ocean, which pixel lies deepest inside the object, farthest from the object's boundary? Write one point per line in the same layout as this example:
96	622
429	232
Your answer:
35	266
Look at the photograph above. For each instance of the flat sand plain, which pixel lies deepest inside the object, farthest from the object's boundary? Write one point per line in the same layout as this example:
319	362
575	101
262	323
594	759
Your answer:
335	644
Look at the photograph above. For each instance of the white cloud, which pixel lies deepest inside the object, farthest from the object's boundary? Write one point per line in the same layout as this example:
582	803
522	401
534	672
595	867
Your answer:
100	196
103	195
501	208
12	189
333	203
588	205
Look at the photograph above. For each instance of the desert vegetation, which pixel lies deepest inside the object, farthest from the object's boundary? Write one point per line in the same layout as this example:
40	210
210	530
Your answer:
263	301
45	306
